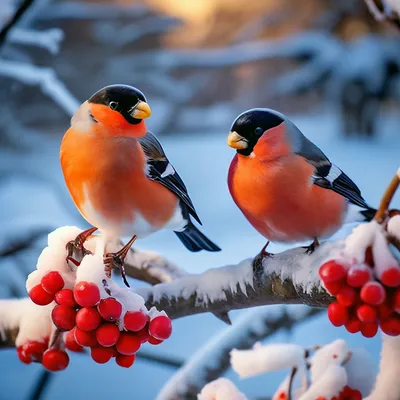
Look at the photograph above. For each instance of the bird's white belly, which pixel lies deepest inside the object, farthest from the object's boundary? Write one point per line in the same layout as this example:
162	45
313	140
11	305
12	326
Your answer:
138	225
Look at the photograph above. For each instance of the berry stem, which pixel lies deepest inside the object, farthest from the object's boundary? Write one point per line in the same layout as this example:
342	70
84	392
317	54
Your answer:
382	212
292	375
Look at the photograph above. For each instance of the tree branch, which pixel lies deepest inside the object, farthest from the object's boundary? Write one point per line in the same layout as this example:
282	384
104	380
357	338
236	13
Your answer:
14	20
212	359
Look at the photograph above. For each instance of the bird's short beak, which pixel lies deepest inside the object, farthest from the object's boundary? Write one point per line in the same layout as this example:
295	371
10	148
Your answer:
236	141
141	111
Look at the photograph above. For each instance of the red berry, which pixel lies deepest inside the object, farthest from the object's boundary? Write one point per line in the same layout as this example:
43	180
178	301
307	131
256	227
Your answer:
373	293
346	296
110	309
25	358
86	294
107	334
367	313
358	275
333	287
63	317
337	314
391	326
135	320
65	297
369	257
385	311
70	342
355	395
353	325
88	319
128	343
160	327
143	334
52	282
84	338
396	301
125	361
154	341
391	277
369	329
35	349
55	360
332	271
39	296
101	355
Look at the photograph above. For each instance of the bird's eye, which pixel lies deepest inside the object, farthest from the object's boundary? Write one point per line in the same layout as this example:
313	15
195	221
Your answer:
259	131
113	105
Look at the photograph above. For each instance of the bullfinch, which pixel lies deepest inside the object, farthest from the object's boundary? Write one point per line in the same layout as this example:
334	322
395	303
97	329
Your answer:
119	177
286	187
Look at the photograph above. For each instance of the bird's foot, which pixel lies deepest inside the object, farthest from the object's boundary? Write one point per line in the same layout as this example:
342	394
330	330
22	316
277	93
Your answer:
76	247
264	252
116	260
311	248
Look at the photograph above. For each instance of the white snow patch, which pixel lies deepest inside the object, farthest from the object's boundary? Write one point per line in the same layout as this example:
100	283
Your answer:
387	381
61	236
383	257
331	354
267	358
393	226
300	267
210	285
329	385
221	389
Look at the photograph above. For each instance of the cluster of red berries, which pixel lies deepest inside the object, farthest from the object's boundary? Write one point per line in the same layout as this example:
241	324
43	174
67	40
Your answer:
95	323
363	302
346	394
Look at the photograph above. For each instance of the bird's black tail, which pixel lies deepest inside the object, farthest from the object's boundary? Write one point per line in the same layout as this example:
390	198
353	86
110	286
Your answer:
194	240
368	213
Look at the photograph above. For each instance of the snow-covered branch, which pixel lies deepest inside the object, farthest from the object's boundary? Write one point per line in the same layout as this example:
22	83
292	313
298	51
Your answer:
211	360
49	39
290	277
45	78
390	12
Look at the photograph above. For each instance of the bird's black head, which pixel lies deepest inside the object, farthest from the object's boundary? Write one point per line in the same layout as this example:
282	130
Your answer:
249	126
127	100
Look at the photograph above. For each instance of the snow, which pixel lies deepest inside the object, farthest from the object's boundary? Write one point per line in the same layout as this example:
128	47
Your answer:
331	354
49	39
393	4
383	257
387	381
300	267
209	286
329	385
268	358
220	389
393	226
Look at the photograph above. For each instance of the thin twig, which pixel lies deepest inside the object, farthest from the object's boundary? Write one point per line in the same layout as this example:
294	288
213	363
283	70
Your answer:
160	359
387	197
292	375
43	382
14	20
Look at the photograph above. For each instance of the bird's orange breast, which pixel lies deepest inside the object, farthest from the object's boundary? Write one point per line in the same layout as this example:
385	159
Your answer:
280	201
106	177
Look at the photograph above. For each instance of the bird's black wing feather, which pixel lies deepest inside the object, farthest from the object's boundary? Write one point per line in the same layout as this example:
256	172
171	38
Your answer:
162	171
328	175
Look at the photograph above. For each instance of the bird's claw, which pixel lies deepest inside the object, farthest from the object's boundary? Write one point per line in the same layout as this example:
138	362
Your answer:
311	248
76	247
264	252
117	260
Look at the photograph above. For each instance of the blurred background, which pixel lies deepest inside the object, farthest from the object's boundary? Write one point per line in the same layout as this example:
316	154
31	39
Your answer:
328	64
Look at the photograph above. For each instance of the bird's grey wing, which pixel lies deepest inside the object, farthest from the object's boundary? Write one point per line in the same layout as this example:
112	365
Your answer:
326	174
161	170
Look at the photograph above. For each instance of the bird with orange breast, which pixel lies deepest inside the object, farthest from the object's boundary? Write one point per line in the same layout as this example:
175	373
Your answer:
285	185
119	176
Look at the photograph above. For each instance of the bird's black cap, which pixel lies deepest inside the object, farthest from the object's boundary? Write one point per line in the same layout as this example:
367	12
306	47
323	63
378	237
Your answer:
121	98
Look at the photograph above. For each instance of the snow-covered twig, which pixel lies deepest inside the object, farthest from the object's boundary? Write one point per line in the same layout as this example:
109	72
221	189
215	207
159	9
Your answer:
45	78
290	277
387	382
389	14
211	360
49	39
90	11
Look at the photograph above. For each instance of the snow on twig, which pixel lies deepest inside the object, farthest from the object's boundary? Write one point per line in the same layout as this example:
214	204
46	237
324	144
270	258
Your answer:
45	78
90	11
221	389
212	359
49	39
